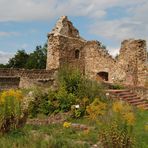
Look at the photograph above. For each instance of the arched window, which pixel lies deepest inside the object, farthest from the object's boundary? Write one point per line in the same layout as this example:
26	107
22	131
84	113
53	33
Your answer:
77	54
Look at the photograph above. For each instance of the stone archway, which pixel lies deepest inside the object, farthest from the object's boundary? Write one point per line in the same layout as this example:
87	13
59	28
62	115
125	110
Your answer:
102	75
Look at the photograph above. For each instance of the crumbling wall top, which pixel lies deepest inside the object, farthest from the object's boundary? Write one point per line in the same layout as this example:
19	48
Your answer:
65	27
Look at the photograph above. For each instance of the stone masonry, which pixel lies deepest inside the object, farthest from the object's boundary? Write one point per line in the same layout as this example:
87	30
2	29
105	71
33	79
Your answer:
66	46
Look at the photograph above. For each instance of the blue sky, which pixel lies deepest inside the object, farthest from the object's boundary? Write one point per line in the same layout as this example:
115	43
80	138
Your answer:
25	23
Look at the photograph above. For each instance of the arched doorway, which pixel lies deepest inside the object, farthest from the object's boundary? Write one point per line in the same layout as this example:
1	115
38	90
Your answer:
102	75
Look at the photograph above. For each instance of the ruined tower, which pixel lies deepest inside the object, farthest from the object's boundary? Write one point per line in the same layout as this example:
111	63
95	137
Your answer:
64	45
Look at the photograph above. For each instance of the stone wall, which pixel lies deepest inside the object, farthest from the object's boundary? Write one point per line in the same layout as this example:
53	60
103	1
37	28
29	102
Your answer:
13	78
30	83
67	47
9	82
93	60
97	60
32	74
63	43
131	67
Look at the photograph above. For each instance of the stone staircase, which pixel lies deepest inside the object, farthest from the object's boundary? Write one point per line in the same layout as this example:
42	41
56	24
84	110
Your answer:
128	96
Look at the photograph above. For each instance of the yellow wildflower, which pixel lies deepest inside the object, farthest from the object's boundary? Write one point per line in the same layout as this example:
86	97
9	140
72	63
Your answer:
146	127
67	124
11	93
129	118
18	95
95	109
127	108
118	106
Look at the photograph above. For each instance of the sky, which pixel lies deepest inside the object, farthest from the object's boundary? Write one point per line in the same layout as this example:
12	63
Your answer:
24	24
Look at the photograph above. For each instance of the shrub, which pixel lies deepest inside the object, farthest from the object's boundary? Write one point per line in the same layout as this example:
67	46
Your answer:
72	88
90	89
115	136
11	115
96	109
65	99
40	104
116	121
74	82
69	78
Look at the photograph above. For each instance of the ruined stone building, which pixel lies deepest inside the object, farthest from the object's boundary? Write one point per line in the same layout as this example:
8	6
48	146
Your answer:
66	46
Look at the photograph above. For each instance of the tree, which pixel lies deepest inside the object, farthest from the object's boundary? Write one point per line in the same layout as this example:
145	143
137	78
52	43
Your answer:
37	59
3	65
34	60
19	60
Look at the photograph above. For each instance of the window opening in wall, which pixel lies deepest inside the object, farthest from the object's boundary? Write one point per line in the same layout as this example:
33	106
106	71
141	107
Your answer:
77	54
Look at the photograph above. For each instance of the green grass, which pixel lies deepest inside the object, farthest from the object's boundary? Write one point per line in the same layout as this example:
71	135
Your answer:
141	134
56	136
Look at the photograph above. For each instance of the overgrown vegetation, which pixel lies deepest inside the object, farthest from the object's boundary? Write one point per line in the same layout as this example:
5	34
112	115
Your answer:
91	118
73	89
11	114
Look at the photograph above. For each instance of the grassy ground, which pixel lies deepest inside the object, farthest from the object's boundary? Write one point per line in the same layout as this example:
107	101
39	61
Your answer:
140	132
56	136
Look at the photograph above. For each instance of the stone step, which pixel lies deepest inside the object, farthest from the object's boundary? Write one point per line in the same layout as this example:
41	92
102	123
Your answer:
146	104
128	95
136	101
131	98
143	105
123	93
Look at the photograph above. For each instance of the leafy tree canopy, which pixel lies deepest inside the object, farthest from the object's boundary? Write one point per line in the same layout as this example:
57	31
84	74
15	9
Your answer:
34	60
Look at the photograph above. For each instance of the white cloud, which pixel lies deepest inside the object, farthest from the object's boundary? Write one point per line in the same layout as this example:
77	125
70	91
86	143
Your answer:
6	34
113	51
4	57
22	10
133	25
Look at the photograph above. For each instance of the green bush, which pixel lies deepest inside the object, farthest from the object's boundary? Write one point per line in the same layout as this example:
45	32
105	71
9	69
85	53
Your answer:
70	79
72	88
11	114
65	99
76	83
90	89
40	104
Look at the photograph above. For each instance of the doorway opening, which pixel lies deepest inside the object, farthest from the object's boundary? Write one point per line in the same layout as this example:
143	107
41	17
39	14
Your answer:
102	76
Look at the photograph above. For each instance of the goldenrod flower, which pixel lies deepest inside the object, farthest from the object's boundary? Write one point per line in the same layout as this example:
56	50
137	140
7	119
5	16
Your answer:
11	93
95	109
67	124
146	127
129	118
118	106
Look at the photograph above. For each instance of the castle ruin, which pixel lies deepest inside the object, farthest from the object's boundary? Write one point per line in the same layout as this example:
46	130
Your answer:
66	46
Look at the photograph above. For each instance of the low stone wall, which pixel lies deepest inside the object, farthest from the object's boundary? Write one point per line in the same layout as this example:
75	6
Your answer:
14	78
140	91
32	74
29	83
9	82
